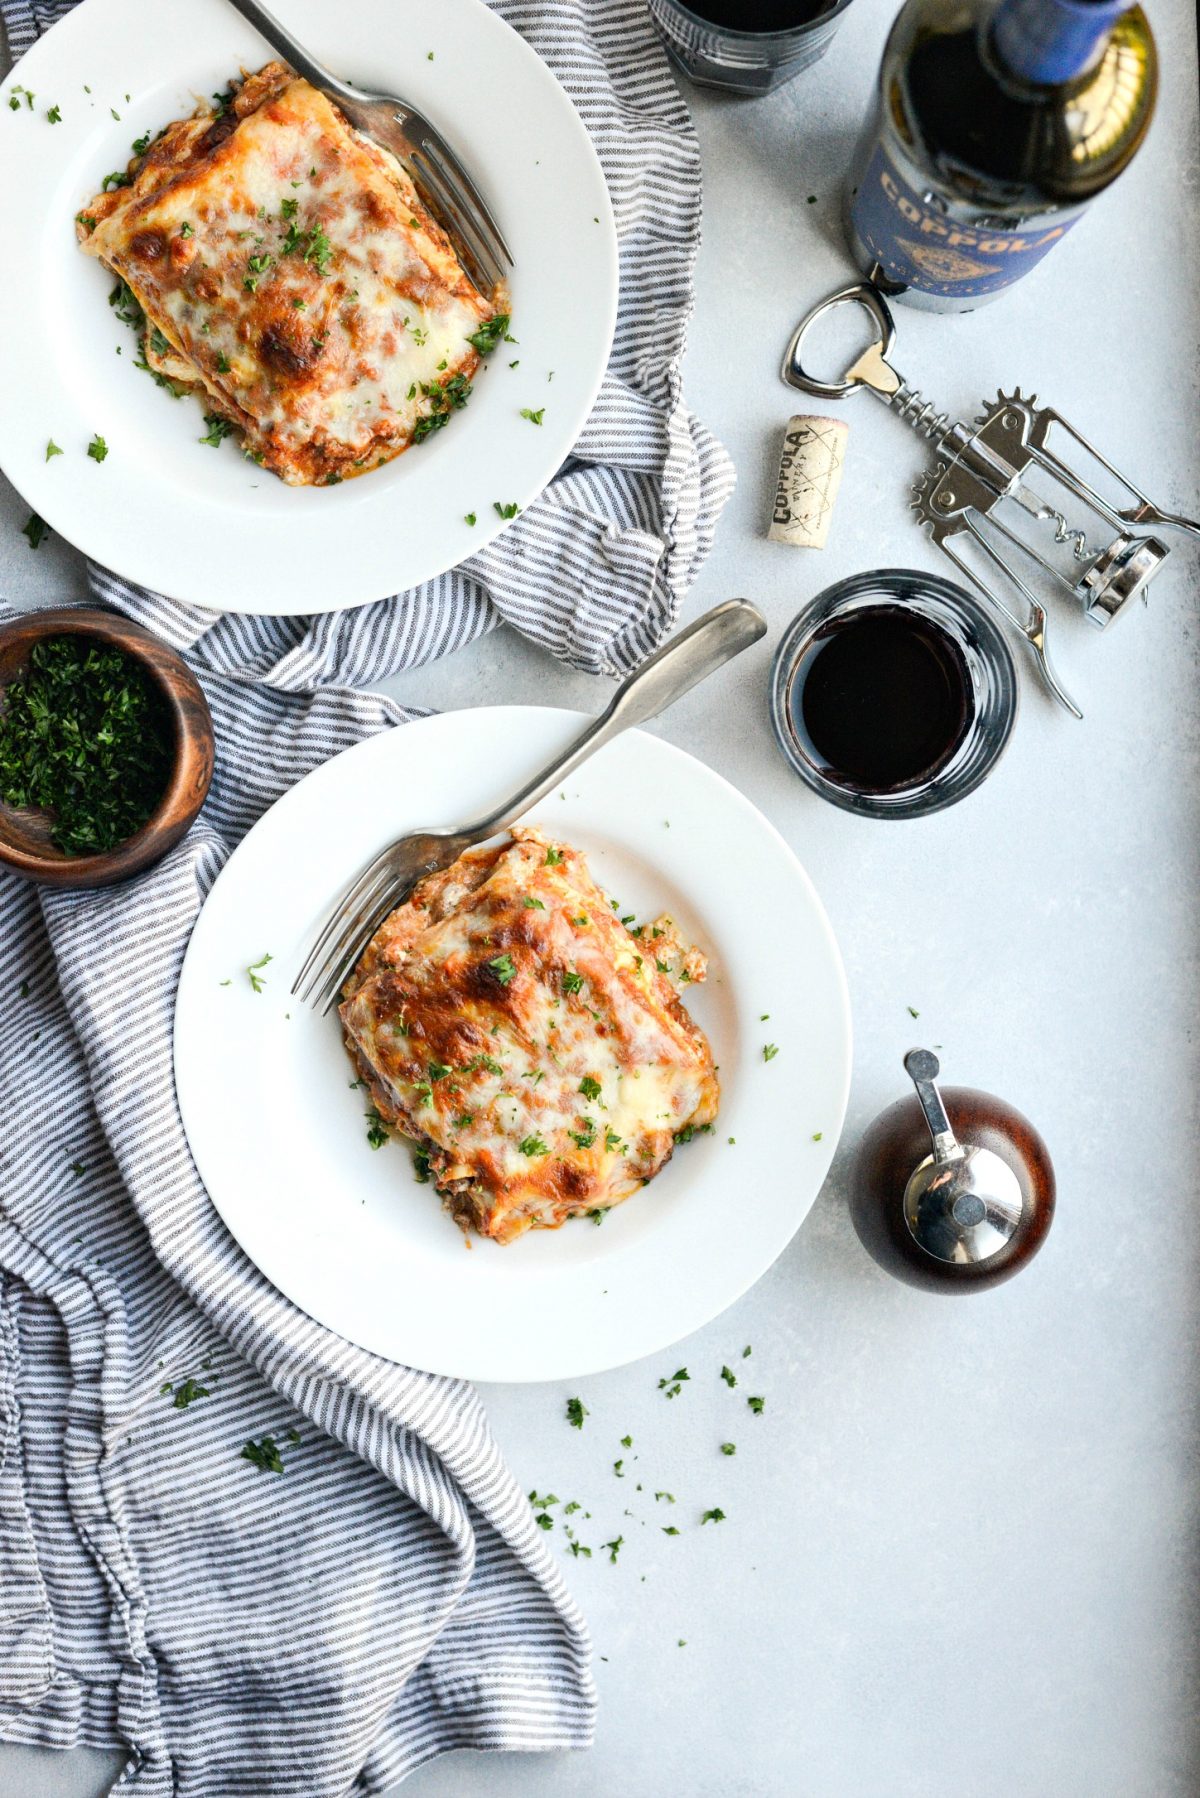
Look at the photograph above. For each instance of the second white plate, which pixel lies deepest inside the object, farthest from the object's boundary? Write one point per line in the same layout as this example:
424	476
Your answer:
280	1137
204	524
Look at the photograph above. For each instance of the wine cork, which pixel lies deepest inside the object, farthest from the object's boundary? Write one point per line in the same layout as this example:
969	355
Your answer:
810	473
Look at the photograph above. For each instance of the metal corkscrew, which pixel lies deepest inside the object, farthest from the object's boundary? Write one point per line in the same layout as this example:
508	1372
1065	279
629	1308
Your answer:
976	491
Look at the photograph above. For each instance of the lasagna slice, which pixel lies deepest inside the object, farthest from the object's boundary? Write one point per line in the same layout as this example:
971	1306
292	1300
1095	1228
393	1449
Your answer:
287	272
536	1049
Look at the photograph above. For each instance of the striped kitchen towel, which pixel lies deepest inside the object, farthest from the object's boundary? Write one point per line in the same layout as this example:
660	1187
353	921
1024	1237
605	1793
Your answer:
388	1597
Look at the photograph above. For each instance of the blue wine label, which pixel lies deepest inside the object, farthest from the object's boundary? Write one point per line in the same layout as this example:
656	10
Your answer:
918	246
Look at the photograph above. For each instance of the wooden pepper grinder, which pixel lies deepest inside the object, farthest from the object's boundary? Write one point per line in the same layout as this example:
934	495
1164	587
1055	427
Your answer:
963	1212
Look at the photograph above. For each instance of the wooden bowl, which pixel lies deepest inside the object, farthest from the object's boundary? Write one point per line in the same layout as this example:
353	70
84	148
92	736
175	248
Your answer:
25	844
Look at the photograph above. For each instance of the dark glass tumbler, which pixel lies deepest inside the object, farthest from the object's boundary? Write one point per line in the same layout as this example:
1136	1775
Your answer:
740	61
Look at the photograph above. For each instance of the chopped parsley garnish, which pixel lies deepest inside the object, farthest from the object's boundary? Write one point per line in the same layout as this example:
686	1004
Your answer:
264	1455
141	144
52	449
516	363
421	1166
97	449
54	115
673	1385
912	1011
254	977
746	1352
288	208
729	1377
118	178
585	1137
579	1548
756	1405
222	363
218	429
469	518
186	1391
438	1070
490	333
576	1412
86	737
770	1051
544	1521
503	967
532	1145
716	1515
553	858
377	1133
444	398
185	230
690	1130
619	1469
627	1442
572	982
464	1120
597	1216
535	418
591	1089
669	1529
258	265
532	904
487	1062
729	1448
817	1135
612	1141
85	218
14	101
508	511
614	1547
669	1496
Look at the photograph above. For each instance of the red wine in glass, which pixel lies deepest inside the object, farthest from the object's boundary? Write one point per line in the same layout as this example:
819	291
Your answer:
757	15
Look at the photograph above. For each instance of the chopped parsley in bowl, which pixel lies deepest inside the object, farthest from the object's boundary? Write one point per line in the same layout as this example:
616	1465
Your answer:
105	746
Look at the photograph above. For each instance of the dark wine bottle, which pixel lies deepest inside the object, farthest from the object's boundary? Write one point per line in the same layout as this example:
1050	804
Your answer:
994	126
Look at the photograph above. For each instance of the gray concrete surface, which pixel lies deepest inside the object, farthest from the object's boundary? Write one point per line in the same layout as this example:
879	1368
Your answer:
960	1559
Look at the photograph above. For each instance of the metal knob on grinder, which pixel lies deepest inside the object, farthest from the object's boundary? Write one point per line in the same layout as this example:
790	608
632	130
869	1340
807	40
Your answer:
951	1191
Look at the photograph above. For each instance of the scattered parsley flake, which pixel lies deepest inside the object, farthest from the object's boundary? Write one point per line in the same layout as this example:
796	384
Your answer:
729	1377
532	904
535	418
770	1051
377	1133
817	1135
553	858
186	1391
576	1412
912	1011
589	1087
52	449
253	975
716	1515
97	449
185	230
469	518
669	1529
729	1448
54	115
746	1352
503	967
491	332
756	1405
508	511
264	1455
532	1145
614	1547
572	982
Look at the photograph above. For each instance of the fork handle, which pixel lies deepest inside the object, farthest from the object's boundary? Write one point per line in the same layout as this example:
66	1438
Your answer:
293	53
671	672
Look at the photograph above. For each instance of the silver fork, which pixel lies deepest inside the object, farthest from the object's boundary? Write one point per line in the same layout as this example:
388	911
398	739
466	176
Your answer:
673	670
435	171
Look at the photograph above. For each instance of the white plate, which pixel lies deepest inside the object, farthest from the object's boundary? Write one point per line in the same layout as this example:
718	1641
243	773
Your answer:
205	524
279	1136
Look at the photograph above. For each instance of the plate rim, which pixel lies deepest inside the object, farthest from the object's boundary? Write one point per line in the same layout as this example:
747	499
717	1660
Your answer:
52	499
579	1366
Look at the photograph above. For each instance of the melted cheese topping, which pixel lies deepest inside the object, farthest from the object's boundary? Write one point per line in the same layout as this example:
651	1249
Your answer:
505	1018
297	278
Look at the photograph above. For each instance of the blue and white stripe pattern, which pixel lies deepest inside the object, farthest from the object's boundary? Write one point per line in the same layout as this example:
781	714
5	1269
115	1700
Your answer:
388	1597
